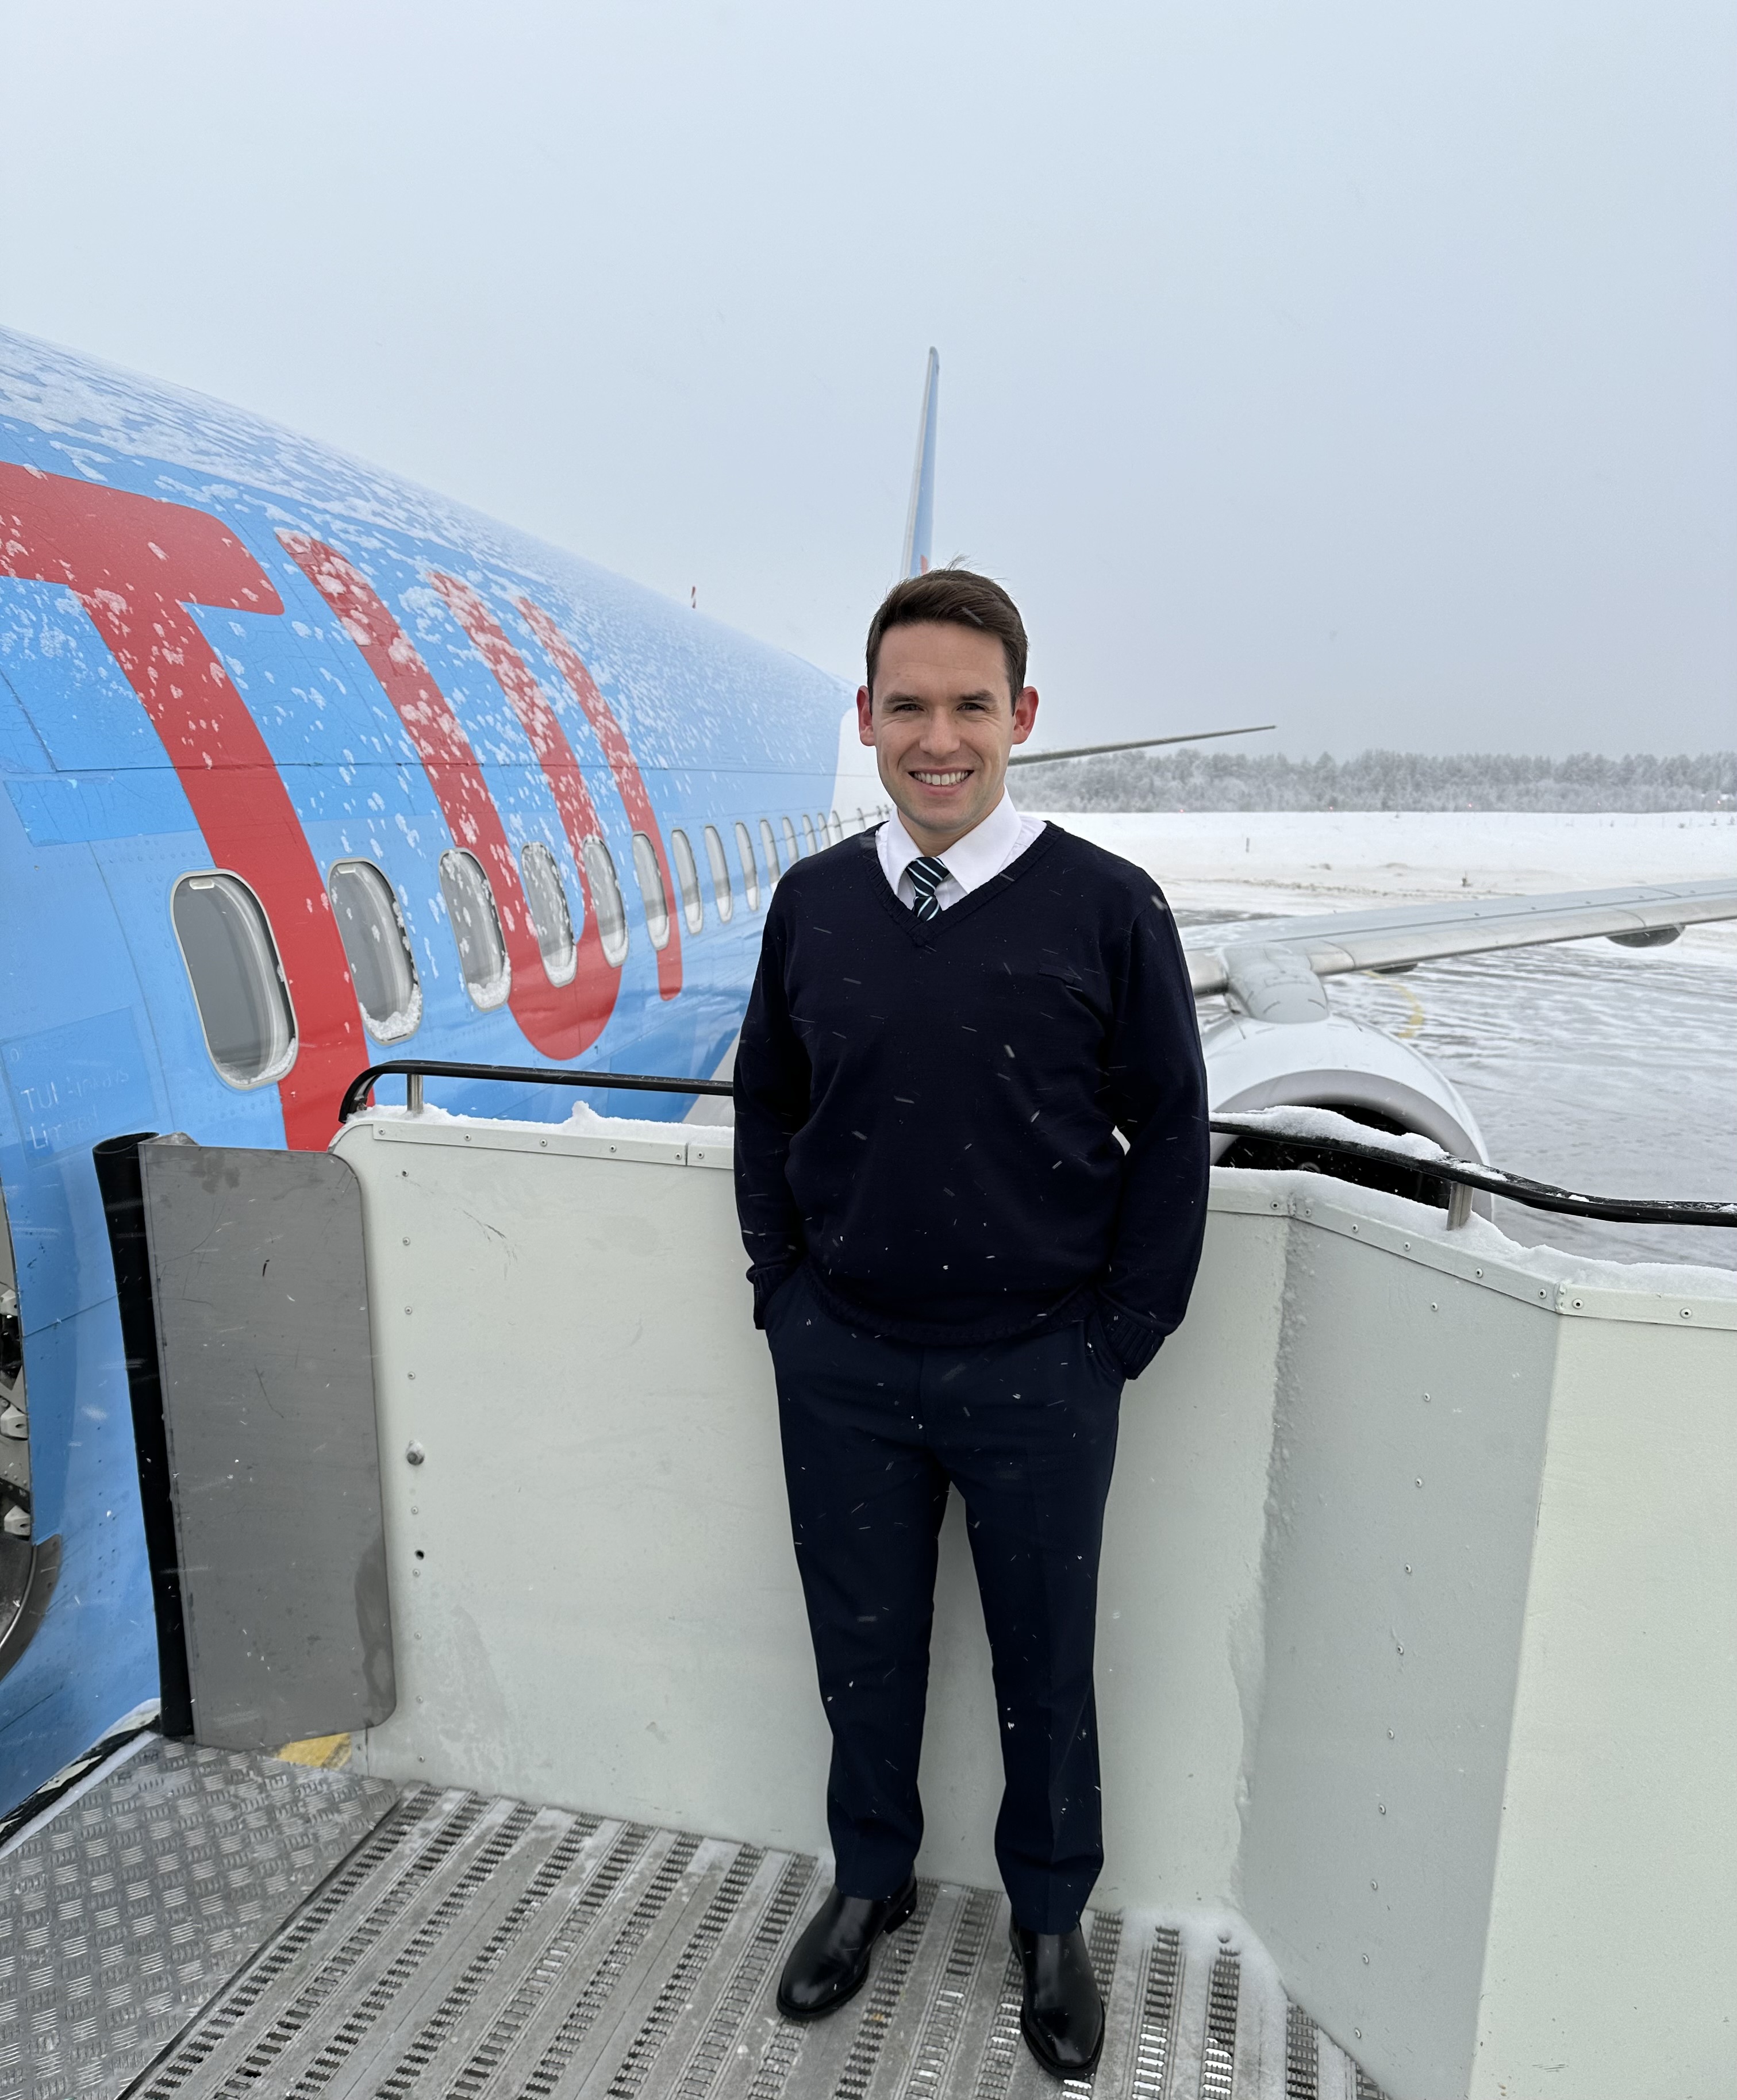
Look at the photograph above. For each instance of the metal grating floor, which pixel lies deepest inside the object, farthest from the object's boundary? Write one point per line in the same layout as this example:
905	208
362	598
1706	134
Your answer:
480	1949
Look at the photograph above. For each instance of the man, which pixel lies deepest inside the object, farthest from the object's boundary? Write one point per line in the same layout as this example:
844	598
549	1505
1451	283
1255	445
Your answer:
957	1265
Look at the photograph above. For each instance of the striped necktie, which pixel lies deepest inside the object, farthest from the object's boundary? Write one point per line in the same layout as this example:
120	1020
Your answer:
927	875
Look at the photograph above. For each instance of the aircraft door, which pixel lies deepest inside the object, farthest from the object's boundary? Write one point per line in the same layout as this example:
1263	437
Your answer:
17	1551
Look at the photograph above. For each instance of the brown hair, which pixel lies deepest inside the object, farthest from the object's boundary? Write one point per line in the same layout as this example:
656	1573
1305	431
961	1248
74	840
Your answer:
959	598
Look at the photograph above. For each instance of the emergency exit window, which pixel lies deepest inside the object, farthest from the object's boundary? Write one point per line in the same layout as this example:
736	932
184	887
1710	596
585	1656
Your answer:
382	967
476	928
723	890
550	920
750	866
238	982
688	880
606	900
652	897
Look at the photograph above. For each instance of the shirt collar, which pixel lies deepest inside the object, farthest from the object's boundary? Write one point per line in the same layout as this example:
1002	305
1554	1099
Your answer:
983	851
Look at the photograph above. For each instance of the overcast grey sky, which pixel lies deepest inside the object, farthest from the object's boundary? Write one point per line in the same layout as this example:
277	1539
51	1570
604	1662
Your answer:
1368	367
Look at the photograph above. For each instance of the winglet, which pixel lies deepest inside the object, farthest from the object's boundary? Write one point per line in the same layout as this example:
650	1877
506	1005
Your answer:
919	526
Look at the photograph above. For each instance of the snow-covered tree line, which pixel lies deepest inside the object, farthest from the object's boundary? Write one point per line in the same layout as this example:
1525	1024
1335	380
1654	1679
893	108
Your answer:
1217	779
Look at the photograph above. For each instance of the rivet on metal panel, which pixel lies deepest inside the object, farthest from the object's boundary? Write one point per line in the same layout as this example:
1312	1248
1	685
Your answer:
414	1453
1686	1314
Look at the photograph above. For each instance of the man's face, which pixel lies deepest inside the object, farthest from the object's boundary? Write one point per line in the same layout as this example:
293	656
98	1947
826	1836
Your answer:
942	720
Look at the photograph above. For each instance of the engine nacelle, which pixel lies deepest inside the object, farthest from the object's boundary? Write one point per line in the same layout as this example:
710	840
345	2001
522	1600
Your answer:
1337	1063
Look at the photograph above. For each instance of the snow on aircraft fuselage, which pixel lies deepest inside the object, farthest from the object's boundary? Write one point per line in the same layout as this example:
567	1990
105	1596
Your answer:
305	768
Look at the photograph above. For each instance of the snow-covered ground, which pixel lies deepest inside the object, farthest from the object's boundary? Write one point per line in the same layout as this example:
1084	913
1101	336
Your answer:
1612	1070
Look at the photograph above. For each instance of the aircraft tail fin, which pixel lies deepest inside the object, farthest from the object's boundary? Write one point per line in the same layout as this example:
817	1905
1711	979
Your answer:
919	526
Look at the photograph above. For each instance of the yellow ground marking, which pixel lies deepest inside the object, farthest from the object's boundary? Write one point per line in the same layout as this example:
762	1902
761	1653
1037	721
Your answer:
1414	1026
329	1752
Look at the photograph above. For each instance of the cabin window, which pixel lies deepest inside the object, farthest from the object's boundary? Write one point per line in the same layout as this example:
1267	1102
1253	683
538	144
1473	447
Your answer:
606	899
476	928
862	822
545	895
790	851
688	880
723	891
651	896
750	866
769	847
808	844
837	827
382	967
238	982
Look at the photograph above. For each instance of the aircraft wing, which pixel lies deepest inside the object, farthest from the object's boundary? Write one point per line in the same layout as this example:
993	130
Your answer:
1133	743
1387	940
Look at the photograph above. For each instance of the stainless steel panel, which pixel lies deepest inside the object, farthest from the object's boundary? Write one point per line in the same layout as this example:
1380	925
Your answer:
125	1917
268	1378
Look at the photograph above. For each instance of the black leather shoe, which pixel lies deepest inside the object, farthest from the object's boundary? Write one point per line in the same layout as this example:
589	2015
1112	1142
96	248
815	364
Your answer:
830	1962
1062	2017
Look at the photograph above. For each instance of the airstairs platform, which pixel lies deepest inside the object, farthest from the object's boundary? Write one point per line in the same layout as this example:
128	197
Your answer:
1413	1665
205	1922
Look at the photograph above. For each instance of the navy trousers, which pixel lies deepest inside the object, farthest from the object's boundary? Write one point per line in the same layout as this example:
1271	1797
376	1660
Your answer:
874	1431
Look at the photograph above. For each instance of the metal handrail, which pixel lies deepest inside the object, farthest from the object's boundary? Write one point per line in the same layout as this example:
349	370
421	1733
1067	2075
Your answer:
413	1070
1491	1181
1459	1174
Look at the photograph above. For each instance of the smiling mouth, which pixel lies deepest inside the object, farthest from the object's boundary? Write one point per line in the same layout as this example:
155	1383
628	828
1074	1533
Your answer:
933	779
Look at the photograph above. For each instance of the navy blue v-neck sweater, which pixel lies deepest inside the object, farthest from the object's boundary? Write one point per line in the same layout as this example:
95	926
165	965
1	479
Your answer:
926	1112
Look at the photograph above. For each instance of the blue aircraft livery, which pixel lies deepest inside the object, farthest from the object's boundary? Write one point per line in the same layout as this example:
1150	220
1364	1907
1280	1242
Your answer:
304	768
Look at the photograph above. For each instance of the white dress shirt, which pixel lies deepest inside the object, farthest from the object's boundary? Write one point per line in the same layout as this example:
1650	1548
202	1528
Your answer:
996	843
